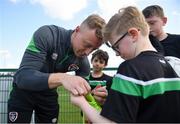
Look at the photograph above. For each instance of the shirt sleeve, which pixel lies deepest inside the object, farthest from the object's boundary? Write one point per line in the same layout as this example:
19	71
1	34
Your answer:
121	105
36	65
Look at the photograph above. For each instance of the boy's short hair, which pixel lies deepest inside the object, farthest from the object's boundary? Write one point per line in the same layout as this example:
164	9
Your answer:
100	54
153	10
94	21
125	19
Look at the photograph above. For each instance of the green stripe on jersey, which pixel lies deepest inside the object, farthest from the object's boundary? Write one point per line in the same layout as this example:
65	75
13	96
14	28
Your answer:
95	83
144	89
32	47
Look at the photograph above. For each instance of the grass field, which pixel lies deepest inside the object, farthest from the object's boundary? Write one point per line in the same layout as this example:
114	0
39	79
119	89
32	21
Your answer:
68	112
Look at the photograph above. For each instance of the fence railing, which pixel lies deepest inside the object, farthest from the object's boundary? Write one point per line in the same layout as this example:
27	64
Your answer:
68	112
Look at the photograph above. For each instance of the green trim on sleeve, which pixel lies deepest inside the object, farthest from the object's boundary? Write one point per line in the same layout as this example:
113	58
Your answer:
126	87
145	89
32	47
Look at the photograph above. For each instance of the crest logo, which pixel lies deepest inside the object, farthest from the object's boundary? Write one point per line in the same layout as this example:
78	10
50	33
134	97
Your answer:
73	67
54	56
13	116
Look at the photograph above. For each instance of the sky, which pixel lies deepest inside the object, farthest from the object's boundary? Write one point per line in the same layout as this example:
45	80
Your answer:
20	18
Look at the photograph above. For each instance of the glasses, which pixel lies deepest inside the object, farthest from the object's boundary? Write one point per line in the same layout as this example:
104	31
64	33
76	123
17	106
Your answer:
114	46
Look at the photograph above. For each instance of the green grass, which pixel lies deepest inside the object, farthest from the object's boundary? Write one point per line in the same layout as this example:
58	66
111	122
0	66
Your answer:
68	112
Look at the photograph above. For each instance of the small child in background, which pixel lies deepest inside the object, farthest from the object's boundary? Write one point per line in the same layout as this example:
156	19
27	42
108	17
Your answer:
99	61
97	77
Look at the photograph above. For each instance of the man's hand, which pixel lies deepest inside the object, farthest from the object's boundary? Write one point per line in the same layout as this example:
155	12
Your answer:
100	94
74	84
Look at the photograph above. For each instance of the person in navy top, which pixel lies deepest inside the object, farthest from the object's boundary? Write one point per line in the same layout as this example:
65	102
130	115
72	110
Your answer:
51	53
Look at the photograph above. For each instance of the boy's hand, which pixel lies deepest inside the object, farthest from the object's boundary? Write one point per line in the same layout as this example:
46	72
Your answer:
80	100
100	94
77	100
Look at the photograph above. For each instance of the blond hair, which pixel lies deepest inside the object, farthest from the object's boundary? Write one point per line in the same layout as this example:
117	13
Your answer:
153	10
94	21
125	19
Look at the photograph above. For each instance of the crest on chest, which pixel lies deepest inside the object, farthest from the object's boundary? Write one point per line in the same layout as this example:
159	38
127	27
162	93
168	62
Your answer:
73	67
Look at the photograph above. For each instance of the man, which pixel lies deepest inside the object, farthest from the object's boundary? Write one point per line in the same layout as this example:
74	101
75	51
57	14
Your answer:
145	88
51	52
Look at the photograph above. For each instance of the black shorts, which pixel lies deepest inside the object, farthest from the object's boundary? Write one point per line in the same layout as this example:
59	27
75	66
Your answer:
22	103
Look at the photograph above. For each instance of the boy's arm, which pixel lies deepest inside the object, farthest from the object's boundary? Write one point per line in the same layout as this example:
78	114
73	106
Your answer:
91	113
90	99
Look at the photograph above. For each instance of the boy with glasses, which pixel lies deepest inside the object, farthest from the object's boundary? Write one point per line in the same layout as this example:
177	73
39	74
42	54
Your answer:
145	88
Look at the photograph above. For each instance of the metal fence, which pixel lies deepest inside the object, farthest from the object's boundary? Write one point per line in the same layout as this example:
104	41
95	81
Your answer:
68	112
5	87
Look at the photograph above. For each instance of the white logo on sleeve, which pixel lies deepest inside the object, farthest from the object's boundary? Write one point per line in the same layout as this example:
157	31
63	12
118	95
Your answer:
54	120
13	116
